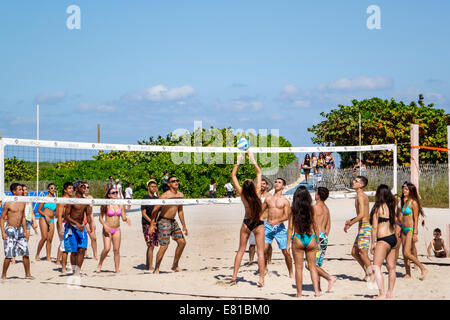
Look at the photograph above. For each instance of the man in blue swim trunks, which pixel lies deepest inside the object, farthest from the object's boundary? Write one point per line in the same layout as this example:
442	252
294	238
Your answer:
278	211
75	235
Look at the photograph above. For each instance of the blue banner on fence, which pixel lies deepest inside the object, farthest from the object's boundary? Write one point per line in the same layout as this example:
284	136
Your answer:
35	204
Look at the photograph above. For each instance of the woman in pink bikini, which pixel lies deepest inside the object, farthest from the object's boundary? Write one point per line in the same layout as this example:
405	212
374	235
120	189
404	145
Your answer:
110	219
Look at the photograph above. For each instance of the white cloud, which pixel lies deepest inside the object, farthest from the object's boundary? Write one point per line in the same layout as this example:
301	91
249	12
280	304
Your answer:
162	93
246	105
23	120
301	103
51	98
106	108
290	90
87	106
360	83
277	116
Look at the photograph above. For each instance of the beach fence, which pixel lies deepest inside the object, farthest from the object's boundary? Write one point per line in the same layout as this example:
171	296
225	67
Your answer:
433	181
289	173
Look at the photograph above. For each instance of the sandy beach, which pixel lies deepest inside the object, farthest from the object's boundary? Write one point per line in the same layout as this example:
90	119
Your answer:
207	264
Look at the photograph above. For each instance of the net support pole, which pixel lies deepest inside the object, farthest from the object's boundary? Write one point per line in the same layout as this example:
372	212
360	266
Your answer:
448	168
415	156
360	154
2	168
37	150
394	173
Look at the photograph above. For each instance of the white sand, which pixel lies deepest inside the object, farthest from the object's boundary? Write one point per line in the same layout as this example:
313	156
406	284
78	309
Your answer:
207	264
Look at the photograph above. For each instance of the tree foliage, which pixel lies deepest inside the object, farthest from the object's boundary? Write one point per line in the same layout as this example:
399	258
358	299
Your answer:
384	122
18	170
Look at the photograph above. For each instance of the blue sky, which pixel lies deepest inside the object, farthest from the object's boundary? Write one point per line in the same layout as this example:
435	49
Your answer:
145	68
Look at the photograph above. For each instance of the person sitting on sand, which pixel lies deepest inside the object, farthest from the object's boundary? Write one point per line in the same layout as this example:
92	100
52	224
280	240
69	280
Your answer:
437	245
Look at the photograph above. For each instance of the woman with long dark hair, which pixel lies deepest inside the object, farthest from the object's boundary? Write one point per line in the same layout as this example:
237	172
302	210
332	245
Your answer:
250	196
306	166
411	209
46	223
383	217
302	231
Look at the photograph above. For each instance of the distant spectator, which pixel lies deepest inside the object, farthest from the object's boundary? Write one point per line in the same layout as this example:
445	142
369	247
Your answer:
314	163
437	245
230	189
152	179
165	181
129	194
359	164
109	185
321	161
212	189
118	187
329	160
306	166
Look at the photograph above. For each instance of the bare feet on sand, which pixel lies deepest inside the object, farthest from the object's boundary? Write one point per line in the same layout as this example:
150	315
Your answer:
176	269
331	283
424	274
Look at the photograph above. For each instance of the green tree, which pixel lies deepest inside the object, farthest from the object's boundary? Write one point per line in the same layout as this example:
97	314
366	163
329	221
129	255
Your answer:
18	170
384	122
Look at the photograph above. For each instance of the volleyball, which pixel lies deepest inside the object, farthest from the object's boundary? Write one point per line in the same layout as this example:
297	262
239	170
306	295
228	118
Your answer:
243	144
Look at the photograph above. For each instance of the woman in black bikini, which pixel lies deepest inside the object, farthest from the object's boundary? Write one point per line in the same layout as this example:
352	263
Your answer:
250	196
382	217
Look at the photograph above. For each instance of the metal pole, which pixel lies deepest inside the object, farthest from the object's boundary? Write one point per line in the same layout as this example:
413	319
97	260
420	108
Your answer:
2	168
415	156
395	170
360	155
37	150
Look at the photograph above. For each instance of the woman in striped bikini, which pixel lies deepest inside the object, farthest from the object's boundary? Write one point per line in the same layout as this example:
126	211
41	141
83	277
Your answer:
46	223
110	219
411	209
303	233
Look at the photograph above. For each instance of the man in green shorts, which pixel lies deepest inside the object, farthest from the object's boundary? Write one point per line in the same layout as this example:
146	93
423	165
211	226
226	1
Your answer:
361	246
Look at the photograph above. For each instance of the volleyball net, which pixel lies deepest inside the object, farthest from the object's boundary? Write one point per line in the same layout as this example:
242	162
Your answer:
37	163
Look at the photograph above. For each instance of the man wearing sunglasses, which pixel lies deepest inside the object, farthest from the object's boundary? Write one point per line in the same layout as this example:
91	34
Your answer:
167	226
75	235
361	247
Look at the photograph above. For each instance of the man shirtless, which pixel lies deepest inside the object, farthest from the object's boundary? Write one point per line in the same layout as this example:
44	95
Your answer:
60	209
75	235
361	246
167	225
278	211
323	223
13	232
252	241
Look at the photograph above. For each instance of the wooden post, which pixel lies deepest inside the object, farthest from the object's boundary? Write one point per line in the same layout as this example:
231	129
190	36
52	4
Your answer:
415	156
98	133
448	168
